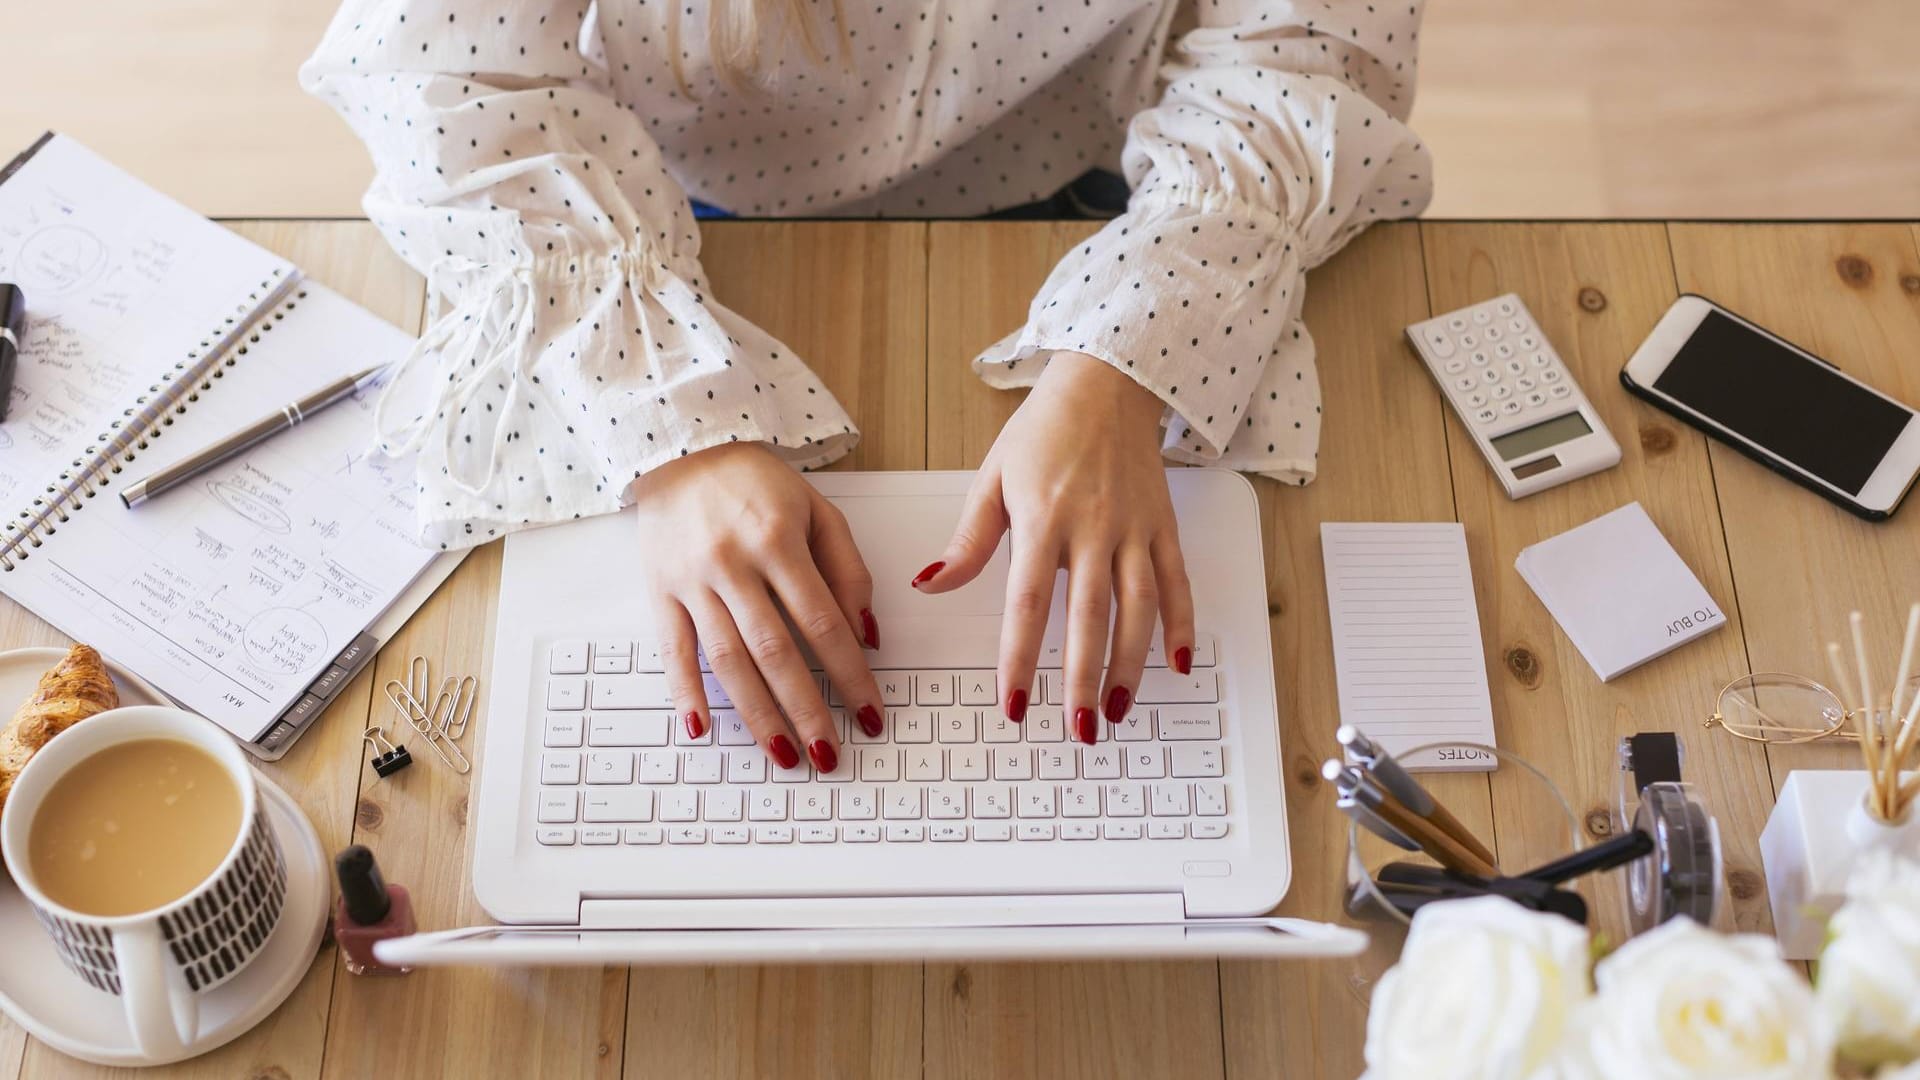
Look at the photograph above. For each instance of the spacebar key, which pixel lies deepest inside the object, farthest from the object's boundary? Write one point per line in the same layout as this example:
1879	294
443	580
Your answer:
1164	686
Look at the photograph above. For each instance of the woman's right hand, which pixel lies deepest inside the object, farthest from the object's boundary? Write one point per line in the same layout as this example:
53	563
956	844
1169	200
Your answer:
730	537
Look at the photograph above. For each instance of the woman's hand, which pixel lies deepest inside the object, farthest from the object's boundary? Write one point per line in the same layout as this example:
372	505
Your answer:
1076	477
729	537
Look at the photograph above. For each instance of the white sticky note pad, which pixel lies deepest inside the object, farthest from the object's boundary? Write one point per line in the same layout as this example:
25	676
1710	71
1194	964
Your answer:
1619	590
1406	640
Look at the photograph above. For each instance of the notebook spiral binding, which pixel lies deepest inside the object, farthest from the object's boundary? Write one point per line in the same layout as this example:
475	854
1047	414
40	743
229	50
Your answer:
125	437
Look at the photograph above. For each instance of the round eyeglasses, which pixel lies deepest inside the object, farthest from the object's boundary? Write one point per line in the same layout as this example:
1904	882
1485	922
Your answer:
1778	707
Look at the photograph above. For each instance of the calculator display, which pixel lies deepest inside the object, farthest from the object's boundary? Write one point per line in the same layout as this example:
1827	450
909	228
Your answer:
1517	444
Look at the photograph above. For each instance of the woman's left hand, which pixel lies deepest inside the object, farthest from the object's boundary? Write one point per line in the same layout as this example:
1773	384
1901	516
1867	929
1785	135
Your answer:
1076	477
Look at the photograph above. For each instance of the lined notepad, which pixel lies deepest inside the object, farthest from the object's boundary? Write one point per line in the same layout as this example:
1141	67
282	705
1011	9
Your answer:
1406	639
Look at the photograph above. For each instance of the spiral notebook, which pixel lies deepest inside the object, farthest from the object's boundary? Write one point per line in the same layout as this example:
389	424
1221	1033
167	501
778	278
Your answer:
252	594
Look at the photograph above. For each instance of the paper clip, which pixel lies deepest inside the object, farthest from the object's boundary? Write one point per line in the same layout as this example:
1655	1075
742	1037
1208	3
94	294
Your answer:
453	705
421	720
416	681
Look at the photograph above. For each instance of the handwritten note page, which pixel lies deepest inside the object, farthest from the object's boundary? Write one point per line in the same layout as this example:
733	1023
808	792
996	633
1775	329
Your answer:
232	593
121	283
1406	639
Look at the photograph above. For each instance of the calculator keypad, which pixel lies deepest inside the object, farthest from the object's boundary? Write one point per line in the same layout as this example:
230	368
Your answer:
1496	364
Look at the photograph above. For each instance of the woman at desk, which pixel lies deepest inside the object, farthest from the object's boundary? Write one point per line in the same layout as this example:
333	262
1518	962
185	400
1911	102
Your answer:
536	161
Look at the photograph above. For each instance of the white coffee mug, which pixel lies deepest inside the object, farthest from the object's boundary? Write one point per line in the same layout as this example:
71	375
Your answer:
157	961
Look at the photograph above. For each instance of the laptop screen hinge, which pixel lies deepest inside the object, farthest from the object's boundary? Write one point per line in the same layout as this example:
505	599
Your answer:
817	912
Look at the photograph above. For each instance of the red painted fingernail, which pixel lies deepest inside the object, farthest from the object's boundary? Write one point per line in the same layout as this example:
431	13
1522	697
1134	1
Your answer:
926	575
869	718
1017	706
823	755
783	752
1118	699
869	629
1183	660
1083	726
694	726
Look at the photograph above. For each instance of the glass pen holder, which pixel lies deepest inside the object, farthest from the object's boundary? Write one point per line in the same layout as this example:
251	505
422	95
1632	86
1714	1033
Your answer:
1522	786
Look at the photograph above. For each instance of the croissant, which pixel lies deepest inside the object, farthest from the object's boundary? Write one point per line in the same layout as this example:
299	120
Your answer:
76	688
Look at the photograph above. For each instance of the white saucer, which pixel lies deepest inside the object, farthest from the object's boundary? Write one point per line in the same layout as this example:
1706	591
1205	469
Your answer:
58	1008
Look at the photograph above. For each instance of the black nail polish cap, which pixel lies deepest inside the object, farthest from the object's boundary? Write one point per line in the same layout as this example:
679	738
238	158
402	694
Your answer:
361	885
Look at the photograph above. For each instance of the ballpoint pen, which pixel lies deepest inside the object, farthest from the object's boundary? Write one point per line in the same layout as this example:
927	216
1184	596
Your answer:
273	424
1352	807
1444	849
1383	768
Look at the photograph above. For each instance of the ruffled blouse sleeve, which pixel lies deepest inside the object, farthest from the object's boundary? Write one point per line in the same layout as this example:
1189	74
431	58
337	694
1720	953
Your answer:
575	343
1280	135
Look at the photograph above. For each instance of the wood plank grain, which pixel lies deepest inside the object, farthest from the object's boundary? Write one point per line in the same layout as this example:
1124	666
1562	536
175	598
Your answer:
1596	290
1136	1019
350	257
1382	458
850	298
1850	294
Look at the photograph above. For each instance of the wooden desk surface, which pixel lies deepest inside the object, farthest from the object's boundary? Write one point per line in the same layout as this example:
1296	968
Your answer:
890	313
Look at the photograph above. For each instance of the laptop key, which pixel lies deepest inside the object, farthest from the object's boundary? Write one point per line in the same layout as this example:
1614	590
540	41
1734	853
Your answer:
555	835
702	766
773	834
640	835
562	768
563	729
1207	830
1059	763
1036	800
600	835
813	804
566	694
628	729
1210	799
767	804
857	803
730	834
1166	686
559	807
935	687
1035	830
724	804
1188	723
619	804
1166	830
946	834
1080	800
630	692
1079	830
947	802
992	801
1196	759
687	834
567	657
967	763
1122	830
990	831
979	688
860	834
1170	800
907	834
958	726
895	688
1125	800
1045	724
818	834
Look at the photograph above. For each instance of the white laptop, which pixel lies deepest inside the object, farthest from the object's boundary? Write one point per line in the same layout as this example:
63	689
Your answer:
604	835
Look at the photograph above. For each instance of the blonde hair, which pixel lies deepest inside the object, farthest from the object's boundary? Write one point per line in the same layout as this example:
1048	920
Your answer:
746	37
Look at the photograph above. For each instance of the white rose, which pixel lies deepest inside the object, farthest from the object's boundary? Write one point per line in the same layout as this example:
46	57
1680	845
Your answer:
1869	976
1682	1002
1484	988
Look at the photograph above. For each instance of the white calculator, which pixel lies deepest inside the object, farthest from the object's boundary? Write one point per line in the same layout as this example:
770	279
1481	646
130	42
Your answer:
1515	395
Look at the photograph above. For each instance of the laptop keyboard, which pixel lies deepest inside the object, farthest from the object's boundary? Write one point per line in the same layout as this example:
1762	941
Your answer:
616	768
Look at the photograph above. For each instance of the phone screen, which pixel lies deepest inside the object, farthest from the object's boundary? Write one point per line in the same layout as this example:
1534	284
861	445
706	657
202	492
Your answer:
1800	409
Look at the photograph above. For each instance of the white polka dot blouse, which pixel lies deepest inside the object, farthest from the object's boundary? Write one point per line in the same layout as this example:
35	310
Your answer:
534	160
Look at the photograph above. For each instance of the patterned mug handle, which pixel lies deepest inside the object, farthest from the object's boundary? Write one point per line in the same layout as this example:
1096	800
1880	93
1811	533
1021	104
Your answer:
162	1012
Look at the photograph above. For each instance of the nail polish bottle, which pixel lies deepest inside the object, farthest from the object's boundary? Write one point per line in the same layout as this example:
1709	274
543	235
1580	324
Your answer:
368	910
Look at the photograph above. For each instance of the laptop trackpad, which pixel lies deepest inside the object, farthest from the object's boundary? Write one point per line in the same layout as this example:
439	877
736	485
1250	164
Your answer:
900	534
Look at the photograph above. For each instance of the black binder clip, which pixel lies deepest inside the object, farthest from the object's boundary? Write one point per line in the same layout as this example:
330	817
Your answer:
387	757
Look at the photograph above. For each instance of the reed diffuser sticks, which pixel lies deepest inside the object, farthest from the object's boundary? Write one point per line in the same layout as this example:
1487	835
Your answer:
1886	739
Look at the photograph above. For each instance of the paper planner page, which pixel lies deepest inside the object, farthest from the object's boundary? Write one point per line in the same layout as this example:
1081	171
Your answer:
1406	640
121	282
233	592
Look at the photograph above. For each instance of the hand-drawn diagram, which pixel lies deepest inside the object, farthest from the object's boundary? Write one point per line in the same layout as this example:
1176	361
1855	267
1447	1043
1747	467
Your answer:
234	496
285	639
58	259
